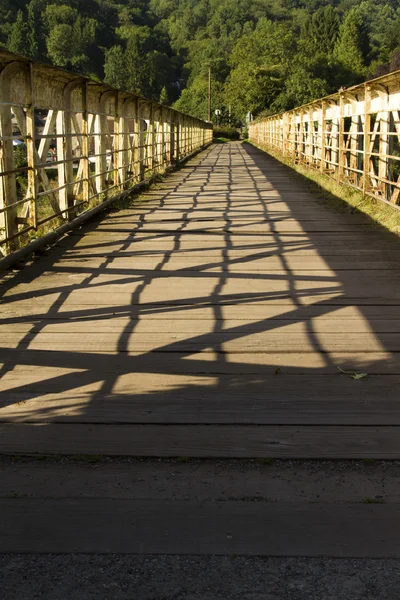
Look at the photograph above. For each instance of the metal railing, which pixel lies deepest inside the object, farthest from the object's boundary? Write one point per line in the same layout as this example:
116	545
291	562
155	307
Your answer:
68	143
353	136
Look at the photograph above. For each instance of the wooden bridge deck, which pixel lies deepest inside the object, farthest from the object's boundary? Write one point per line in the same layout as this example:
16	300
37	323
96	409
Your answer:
209	320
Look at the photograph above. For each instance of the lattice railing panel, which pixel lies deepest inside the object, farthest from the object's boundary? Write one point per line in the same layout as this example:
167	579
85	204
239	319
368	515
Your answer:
68	143
352	136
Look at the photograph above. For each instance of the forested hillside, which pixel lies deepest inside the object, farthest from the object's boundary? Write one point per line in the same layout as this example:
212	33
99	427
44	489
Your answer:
265	55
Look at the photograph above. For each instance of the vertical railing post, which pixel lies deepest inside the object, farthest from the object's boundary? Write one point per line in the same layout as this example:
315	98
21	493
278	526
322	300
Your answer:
289	134
31	151
310	153
178	138
284	134
8	185
143	141
126	141
156	139
117	138
183	135
352	145
301	136
159	149
335	138
150	139
383	169
341	133
163	131
61	156
100	148
85	144
65	154
322	127
136	154
172	136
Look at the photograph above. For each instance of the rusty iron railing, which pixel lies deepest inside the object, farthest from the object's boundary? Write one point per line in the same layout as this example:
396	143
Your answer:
353	136
68	143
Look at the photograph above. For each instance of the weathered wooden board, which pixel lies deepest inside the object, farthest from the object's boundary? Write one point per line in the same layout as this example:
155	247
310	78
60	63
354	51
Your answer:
156	213
188	243
251	363
163	287
72	398
76	298
226	441
26	311
126	526
240	339
234	261
246	226
321	326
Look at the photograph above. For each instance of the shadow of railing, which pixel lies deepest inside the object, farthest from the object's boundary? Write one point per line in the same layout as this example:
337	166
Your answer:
239	309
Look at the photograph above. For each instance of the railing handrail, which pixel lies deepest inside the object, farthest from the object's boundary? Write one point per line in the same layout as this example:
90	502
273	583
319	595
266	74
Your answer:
5	54
358	87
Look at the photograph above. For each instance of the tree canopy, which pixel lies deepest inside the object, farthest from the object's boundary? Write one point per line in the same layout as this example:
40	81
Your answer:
264	55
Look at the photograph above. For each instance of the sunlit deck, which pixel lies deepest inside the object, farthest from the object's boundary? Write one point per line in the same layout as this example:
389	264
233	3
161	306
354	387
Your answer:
210	319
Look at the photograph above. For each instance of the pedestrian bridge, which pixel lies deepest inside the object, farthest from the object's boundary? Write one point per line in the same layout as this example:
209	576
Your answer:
228	311
223	313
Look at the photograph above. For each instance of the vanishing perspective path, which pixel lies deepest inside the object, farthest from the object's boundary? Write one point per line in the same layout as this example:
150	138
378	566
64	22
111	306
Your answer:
231	313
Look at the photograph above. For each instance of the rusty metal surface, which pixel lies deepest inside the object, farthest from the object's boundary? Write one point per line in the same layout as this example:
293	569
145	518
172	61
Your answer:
352	136
68	143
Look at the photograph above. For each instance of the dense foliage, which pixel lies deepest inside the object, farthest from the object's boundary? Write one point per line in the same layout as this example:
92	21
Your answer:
265	55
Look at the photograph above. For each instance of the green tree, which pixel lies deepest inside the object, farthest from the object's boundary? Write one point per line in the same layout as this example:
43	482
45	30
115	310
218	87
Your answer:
36	35
138	41
194	99
60	45
300	88
352	49
260	61
71	37
115	68
159	74
18	41
8	16
59	14
164	96
320	32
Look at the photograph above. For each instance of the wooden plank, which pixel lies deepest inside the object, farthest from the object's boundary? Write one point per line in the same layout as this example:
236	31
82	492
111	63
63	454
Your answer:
237	226
237	261
302	279
188	242
95	231
95	314
226	441
238	340
321	326
70	397
127	526
104	363
252	271
53	296
156	211
163	288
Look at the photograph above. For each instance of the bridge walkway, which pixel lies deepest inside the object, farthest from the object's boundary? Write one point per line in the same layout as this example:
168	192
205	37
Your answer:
215	317
230	313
